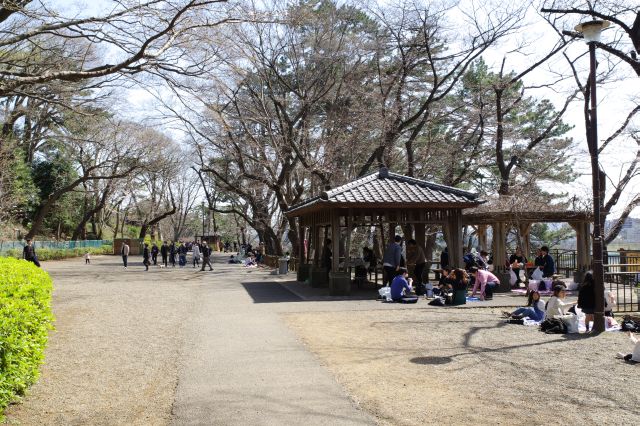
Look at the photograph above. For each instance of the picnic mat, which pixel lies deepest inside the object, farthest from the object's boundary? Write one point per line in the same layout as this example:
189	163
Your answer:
523	291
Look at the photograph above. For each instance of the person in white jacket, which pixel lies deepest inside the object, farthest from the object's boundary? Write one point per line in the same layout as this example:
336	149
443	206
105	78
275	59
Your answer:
633	357
556	304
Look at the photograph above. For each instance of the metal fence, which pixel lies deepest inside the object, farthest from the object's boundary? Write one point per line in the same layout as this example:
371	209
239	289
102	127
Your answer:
8	245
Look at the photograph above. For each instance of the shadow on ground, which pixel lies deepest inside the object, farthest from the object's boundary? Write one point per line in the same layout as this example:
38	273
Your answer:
265	292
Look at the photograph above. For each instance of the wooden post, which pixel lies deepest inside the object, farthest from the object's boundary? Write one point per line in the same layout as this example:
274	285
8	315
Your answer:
525	234
454	238
482	237
301	231
498	247
335	239
347	250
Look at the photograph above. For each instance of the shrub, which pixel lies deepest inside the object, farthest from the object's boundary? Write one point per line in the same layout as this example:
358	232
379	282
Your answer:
25	319
58	254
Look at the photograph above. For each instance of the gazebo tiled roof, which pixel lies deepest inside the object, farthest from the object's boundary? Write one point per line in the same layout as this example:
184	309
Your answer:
522	209
384	189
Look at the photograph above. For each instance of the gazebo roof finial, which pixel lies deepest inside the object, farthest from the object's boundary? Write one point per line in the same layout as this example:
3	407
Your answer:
383	171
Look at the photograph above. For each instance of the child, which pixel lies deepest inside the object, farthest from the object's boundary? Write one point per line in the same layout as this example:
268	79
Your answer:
87	258
634	357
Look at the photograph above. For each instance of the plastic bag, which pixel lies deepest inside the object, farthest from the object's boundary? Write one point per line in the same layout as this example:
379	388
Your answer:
512	277
385	293
571	321
537	274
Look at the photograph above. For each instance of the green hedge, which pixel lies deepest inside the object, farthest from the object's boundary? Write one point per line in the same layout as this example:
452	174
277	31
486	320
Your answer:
25	319
57	254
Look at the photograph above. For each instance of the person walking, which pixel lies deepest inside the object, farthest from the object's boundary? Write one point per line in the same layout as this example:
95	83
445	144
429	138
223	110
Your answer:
182	255
206	256
87	258
145	256
415	256
29	253
154	253
164	252
391	260
124	251
172	254
196	255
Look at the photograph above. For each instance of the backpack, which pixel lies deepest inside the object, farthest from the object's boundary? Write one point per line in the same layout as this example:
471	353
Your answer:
469	261
421	289
553	326
628	324
438	301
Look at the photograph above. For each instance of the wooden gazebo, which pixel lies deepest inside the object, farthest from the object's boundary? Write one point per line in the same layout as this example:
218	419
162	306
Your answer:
378	198
504	213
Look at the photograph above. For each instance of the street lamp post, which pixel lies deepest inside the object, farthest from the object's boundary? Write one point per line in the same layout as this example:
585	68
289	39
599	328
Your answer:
591	32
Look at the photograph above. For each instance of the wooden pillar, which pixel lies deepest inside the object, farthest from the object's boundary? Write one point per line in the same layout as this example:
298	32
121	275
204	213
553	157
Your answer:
482	237
587	243
301	231
335	239
420	237
316	244
498	246
583	244
525	234
454	238
347	251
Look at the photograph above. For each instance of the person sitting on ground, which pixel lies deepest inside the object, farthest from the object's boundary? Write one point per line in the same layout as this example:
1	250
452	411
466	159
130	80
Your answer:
518	263
556	304
485	281
250	261
548	265
534	309
458	281
587	298
401	288
443	283
633	357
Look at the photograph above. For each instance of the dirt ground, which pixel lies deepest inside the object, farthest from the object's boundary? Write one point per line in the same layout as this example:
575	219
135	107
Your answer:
454	366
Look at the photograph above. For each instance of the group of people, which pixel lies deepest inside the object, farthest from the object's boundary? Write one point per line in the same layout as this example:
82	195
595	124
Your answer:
169	253
476	275
537	310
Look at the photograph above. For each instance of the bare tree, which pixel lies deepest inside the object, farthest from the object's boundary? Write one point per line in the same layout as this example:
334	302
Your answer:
99	154
621	47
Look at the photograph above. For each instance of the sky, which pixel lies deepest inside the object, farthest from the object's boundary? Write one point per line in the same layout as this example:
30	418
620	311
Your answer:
615	99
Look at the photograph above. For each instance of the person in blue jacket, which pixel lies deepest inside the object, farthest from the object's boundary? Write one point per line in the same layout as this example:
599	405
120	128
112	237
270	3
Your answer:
401	288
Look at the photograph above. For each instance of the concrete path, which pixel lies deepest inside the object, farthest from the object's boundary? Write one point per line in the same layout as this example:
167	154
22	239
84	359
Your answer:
179	347
241	365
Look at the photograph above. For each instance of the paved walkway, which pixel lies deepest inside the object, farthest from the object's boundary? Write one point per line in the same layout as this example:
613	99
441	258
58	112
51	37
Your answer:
179	347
